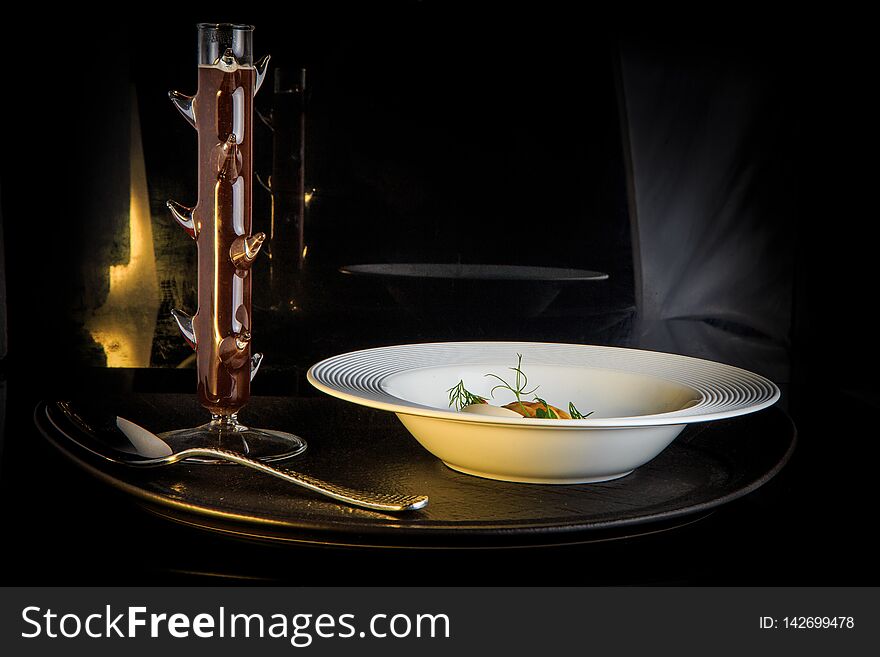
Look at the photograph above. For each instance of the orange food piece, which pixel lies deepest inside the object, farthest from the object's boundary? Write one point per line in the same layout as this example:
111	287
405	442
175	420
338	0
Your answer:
530	409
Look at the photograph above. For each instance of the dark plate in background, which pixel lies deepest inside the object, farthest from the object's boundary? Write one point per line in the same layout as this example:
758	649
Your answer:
507	290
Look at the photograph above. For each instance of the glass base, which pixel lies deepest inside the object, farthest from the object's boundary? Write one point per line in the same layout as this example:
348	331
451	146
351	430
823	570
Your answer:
225	432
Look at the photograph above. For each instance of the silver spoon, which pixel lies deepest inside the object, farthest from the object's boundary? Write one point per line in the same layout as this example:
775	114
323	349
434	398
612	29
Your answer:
145	449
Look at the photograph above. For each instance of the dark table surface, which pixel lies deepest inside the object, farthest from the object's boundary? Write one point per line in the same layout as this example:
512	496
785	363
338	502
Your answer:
809	525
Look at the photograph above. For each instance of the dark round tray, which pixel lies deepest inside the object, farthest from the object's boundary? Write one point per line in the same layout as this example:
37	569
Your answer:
706	466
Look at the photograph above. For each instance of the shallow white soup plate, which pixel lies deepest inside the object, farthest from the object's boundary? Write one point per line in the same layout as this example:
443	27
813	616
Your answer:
640	401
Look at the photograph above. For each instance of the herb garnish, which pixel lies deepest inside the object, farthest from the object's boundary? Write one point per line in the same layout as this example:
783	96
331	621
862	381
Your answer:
547	412
460	397
521	382
576	414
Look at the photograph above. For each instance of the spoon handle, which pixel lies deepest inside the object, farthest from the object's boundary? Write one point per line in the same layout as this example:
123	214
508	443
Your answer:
366	499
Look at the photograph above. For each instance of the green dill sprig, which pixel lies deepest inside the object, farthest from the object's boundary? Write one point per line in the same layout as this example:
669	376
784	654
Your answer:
576	414
520	383
460	397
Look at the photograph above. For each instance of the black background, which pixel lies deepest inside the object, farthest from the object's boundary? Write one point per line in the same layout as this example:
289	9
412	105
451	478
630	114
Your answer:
413	102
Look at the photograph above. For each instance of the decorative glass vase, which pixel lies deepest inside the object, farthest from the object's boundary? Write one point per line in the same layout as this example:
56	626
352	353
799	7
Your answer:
220	223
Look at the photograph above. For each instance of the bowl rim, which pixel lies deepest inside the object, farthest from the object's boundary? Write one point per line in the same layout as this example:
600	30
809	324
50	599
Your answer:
770	390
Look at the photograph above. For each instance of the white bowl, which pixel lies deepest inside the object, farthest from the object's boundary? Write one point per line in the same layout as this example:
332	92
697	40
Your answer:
640	401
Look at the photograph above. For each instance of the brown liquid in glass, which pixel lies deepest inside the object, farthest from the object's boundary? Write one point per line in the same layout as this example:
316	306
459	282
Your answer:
222	325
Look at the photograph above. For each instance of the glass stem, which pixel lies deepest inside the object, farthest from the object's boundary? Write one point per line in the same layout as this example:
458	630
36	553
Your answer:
225	422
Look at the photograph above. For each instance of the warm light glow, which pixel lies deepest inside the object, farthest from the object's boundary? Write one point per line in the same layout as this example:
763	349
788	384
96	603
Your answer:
125	324
305	251
307	197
